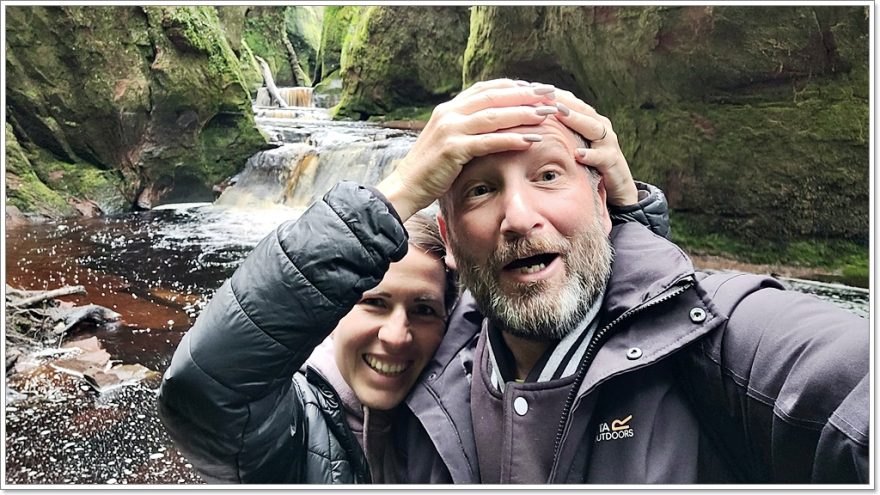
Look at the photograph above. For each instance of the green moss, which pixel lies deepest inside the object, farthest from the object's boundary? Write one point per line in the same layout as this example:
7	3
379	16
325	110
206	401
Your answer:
227	142
250	70
386	64
303	27
338	24
847	261
24	189
99	93
422	113
263	32
82	181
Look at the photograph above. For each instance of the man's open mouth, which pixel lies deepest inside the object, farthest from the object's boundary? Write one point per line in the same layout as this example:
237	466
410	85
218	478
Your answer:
531	264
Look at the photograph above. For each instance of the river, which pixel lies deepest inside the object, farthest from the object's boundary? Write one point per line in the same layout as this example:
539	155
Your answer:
157	269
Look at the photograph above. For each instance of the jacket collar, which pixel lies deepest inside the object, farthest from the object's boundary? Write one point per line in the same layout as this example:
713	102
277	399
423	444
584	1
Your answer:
645	265
647	270
441	398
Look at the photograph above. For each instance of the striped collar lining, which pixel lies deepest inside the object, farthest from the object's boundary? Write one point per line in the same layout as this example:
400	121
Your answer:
558	362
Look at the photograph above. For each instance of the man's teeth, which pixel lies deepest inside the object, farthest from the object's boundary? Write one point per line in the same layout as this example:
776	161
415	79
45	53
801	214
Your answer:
532	268
383	367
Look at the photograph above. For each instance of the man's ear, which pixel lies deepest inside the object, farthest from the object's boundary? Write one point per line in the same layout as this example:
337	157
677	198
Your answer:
449	259
603	205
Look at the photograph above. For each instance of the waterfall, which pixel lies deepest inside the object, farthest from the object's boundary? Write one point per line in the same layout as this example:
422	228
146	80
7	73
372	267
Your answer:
296	97
266	177
366	163
313	153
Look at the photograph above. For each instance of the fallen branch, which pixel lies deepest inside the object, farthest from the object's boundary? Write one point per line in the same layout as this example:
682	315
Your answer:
270	83
49	294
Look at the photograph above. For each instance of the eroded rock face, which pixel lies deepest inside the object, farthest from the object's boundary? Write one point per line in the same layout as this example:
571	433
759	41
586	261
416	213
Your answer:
754	120
106	101
402	57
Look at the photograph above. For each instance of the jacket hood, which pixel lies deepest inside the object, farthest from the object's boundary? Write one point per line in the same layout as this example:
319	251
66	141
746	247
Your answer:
371	428
323	361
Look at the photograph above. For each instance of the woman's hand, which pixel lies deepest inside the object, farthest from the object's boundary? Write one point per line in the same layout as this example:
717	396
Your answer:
460	130
604	153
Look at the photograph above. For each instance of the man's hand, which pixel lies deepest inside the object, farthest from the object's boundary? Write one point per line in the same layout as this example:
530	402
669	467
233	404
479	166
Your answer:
604	153
461	129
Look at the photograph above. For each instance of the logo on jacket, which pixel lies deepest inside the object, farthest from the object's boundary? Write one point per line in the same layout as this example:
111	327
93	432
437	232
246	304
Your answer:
616	430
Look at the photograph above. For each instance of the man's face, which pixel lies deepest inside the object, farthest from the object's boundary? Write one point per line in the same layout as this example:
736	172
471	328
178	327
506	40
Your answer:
529	233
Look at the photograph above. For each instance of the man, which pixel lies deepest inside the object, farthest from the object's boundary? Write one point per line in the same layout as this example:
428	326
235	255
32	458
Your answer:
603	357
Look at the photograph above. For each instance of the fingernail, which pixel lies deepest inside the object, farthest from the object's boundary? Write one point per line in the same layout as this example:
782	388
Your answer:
546	110
532	138
522	83
563	109
582	152
544	89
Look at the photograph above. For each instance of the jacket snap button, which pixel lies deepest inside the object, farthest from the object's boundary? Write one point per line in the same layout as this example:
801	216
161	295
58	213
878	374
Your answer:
634	353
698	315
521	406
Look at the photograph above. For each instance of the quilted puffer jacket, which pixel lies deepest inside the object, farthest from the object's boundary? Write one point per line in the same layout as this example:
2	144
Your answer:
237	399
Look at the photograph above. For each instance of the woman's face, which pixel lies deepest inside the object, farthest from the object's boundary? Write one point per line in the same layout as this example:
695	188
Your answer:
385	341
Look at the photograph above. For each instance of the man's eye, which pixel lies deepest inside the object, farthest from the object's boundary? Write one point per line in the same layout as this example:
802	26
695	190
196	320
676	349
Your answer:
549	175
478	191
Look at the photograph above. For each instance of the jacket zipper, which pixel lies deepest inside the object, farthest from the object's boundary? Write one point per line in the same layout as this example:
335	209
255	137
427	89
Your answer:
590	354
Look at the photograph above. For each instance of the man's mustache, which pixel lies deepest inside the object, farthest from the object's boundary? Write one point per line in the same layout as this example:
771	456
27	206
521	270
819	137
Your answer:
509	251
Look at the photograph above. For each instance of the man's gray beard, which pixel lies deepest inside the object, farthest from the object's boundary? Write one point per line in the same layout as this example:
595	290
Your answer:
535	311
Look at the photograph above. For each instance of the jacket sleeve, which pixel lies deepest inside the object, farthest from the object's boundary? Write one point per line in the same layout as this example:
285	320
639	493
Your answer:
784	386
226	398
651	210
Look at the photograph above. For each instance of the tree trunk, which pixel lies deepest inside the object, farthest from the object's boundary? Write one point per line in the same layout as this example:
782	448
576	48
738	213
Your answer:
270	83
299	75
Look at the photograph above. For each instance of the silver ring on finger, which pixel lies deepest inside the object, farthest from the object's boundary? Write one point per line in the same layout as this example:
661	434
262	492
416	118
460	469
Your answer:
604	133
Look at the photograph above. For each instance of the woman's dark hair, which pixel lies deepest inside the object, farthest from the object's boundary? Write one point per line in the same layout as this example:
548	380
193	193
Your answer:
424	234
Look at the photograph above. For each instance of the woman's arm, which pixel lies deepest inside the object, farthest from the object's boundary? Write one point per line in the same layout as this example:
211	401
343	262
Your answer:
226	397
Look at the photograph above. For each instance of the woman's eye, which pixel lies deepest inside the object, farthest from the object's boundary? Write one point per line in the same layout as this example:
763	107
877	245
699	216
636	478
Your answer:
373	301
478	191
549	175
424	310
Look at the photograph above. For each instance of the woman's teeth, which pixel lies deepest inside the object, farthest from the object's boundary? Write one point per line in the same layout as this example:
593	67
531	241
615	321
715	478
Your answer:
383	367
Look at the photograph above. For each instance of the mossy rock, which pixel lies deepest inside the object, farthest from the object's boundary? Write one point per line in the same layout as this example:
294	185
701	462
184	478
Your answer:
24	190
339	24
233	21
124	92
303	25
402	57
753	119
264	34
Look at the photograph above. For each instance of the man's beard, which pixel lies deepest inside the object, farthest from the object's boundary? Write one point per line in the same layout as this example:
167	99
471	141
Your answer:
541	310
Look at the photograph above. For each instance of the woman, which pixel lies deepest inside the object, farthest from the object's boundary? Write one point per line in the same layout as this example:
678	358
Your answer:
346	266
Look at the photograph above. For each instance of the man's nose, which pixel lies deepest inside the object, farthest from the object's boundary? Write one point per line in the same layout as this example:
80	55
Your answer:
395	331
520	214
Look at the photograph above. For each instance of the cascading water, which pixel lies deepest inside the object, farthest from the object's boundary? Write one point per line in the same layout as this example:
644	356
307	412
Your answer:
313	153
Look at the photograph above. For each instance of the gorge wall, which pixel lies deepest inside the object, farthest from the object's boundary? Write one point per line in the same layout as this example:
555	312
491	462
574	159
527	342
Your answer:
113	108
116	105
754	120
